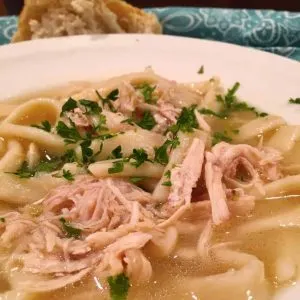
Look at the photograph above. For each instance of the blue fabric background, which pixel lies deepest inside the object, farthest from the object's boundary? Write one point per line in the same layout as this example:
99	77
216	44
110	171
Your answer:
274	31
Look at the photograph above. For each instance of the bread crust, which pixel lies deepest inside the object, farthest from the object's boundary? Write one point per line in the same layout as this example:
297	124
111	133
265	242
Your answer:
110	16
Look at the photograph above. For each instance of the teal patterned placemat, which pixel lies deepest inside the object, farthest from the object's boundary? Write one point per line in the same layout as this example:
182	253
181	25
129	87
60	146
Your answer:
273	31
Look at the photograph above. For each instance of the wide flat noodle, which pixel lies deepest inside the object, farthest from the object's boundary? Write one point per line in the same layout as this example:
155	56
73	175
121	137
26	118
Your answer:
258	127
245	272
20	191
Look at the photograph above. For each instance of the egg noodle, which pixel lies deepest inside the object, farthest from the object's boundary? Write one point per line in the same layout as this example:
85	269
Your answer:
139	187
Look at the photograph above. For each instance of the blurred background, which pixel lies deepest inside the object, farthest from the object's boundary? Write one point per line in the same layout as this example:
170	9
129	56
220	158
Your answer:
10	7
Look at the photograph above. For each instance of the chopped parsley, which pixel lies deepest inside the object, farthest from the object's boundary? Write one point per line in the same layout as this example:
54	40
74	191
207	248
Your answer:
106	136
294	100
44	166
168	182
161	153
136	179
174	143
70	134
147	91
70	231
147	121
139	156
69	156
48	165
186	121
118	166
66	174
205	111
231	104
45	125
117	152
87	152
2	220
91	107
201	70
221	137
70	105
129	121
136	158
168	174
24	171
100	124
119	286
112	96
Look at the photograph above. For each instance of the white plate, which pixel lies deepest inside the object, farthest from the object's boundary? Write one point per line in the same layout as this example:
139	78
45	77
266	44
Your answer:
267	81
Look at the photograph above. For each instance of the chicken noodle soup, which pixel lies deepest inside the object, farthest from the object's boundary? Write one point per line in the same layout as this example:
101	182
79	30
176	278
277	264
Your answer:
144	188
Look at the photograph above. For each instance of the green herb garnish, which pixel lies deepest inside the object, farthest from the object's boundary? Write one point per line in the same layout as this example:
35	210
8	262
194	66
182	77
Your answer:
65	174
48	165
167	183
201	70
69	156
45	125
136	179
161	153
118	166
100	125
91	107
70	105
147	121
44	166
117	152
106	136
68	175
119	286
24	171
147	91
186	121
139	156
221	137
70	231
294	100
112	96
168	174
129	121
2	220
205	111
70	134
231	104
87	152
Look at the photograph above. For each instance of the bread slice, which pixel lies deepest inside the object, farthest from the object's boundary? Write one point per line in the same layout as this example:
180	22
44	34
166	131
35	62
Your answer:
52	18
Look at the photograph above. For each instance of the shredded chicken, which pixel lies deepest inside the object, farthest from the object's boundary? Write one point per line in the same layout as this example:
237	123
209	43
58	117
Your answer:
213	178
240	167
113	222
184	177
128	99
79	118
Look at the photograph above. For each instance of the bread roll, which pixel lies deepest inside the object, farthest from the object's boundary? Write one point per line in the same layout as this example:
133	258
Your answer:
53	18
